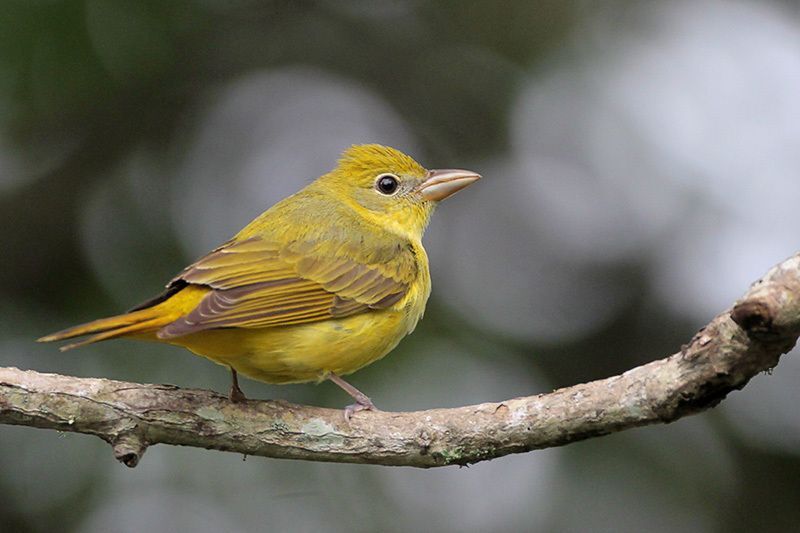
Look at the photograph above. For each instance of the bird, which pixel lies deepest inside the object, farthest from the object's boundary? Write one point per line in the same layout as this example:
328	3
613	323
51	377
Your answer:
323	283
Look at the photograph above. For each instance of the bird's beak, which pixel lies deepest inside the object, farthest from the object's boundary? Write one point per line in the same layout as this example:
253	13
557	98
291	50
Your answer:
442	183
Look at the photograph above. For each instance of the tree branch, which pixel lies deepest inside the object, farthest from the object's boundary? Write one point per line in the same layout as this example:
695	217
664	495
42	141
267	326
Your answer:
723	356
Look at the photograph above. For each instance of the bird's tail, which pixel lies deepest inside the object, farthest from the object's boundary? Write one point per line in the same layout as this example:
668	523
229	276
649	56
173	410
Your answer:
137	322
109	328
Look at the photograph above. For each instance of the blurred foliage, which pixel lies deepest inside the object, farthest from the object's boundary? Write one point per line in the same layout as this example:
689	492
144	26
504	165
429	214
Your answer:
123	124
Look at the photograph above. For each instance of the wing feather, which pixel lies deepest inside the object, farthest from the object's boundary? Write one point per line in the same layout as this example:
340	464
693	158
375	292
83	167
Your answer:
256	283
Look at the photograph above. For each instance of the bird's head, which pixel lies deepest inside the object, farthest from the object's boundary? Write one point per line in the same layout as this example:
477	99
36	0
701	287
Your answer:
389	187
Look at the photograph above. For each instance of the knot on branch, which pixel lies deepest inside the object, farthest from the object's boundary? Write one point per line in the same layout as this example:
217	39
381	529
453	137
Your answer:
754	316
129	447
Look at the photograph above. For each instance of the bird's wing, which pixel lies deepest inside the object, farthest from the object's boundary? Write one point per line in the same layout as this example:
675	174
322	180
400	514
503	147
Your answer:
256	283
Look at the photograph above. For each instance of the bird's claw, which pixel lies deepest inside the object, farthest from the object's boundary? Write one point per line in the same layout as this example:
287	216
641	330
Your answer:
236	395
360	405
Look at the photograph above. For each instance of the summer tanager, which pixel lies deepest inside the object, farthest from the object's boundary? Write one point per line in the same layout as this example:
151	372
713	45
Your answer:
323	283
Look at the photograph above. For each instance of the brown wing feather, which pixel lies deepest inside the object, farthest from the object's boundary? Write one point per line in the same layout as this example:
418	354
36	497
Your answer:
259	284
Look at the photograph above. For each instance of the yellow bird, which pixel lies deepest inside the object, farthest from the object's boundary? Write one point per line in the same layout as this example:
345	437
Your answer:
320	285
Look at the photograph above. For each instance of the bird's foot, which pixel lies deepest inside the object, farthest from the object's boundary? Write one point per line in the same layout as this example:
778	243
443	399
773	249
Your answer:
236	395
362	404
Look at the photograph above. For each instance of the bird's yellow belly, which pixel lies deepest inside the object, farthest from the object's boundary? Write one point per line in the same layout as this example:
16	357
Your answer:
305	352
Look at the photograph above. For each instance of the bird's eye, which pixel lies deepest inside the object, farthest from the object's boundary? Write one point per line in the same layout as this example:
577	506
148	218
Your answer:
387	184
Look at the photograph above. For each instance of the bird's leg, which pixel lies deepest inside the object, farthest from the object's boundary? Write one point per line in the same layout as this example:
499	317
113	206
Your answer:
236	395
363	403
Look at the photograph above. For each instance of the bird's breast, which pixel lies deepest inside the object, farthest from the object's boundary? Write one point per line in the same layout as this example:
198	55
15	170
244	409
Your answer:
420	289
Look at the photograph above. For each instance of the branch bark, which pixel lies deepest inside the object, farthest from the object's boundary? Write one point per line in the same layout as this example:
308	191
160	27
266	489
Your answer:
735	346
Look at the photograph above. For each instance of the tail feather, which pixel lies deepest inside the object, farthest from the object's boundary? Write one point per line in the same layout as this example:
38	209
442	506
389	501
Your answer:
109	328
163	310
139	327
96	326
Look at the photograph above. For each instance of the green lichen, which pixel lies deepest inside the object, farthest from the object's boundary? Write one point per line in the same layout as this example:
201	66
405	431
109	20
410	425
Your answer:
280	426
211	413
450	456
317	428
462	456
322	432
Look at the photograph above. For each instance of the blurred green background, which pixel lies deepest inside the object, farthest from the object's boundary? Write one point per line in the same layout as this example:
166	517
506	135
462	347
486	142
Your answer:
641	169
